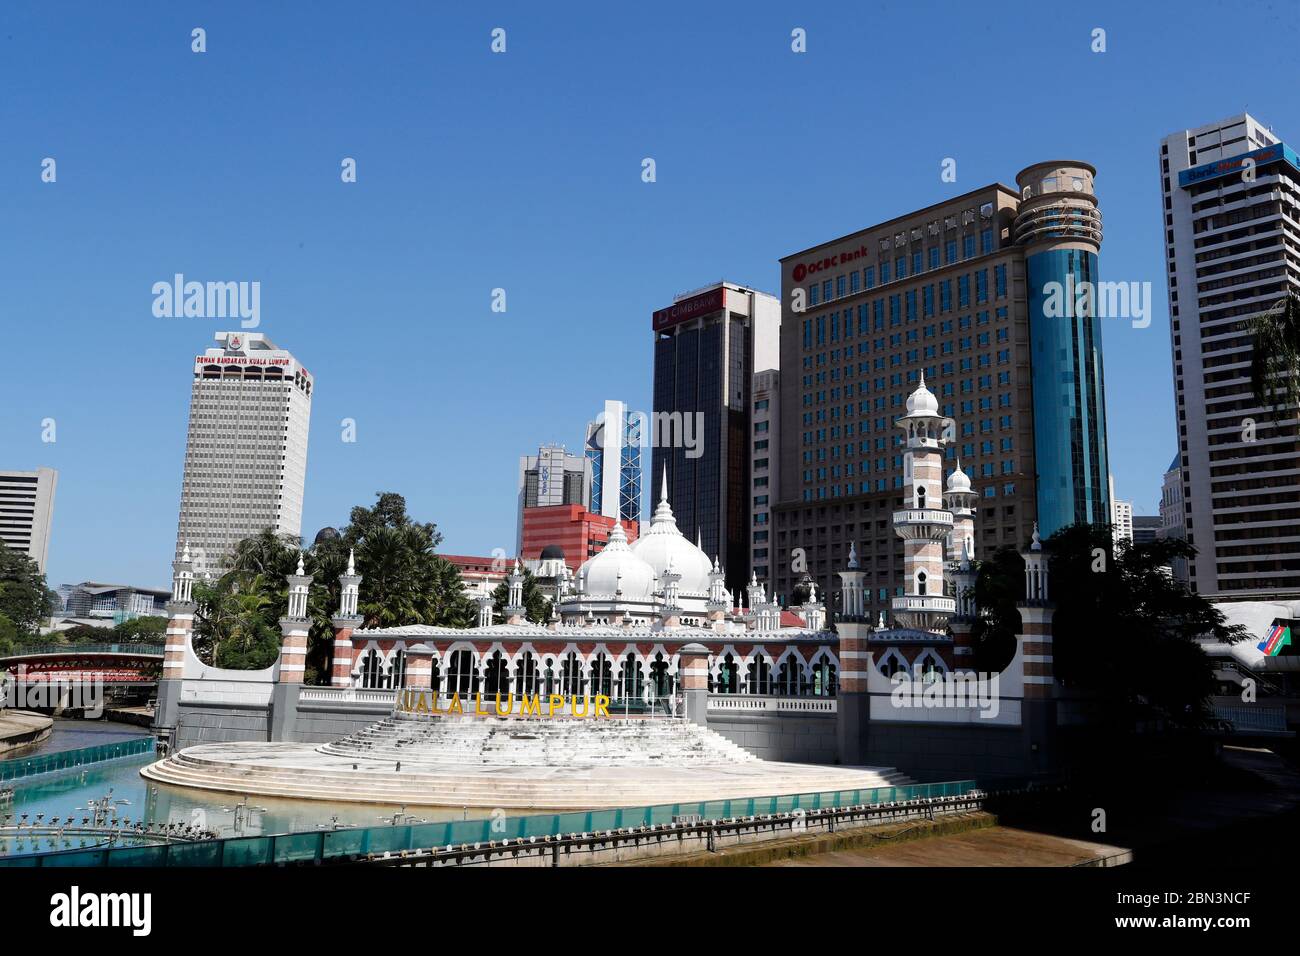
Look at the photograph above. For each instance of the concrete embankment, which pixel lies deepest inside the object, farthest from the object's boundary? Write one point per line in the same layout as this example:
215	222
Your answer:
20	731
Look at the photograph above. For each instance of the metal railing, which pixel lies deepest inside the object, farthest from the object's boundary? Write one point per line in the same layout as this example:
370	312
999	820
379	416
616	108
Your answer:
70	759
755	703
1253	718
340	846
36	650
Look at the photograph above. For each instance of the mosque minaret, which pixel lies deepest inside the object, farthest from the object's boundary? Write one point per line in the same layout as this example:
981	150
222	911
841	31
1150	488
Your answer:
924	524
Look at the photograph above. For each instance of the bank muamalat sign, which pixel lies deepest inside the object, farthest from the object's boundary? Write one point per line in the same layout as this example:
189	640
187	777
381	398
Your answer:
803	270
412	701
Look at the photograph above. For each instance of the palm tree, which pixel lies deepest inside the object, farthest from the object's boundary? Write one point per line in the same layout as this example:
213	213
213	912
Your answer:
1275	356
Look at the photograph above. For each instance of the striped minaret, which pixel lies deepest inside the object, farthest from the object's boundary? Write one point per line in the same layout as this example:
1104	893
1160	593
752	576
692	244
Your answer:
923	524
1038	706
295	626
345	622
180	617
1036	625
853	709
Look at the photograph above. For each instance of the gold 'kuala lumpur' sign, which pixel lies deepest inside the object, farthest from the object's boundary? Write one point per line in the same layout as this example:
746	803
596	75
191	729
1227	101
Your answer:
426	702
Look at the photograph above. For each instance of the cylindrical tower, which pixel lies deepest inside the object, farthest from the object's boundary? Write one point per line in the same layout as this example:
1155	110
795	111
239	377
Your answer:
923	524
1059	226
960	498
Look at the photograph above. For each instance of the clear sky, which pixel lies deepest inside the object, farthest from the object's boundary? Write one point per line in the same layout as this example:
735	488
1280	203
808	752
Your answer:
522	171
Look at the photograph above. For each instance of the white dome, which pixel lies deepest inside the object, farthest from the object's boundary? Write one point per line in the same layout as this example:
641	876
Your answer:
664	545
616	569
922	401
958	481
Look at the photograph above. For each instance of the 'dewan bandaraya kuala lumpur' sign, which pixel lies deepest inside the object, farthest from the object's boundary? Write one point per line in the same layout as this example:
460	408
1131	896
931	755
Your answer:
715	300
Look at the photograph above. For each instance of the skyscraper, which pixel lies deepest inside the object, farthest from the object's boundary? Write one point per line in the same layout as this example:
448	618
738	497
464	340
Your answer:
708	345
551	477
614	450
27	511
1231	196
246	453
964	292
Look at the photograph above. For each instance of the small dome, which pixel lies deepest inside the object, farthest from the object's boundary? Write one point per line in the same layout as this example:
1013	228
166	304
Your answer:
326	534
958	481
617	569
552	552
922	401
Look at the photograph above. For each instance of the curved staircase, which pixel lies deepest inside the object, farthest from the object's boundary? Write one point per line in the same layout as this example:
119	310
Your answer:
508	763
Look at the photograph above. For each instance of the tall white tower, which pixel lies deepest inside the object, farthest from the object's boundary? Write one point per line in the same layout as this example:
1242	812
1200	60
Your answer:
923	524
246	454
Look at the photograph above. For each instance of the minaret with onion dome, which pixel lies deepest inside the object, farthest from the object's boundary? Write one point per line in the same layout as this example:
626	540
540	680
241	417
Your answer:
923	523
960	498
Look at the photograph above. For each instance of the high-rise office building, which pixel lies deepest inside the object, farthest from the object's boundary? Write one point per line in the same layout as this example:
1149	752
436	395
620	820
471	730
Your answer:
614	450
549	478
27	511
246	453
974	292
764	463
708	345
1231	197
1121	516
1171	514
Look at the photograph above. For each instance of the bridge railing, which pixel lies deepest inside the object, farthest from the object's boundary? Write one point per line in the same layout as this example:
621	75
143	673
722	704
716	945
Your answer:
36	650
325	846
70	759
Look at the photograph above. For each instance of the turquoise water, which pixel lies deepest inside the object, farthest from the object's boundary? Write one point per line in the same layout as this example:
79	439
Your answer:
69	794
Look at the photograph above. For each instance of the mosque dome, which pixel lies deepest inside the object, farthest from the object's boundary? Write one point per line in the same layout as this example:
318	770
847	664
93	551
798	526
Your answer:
664	545
959	481
617	568
922	401
552	552
326	534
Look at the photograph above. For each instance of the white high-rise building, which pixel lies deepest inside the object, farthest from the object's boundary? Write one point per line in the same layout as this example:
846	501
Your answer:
1231	197
27	510
246	455
1121	515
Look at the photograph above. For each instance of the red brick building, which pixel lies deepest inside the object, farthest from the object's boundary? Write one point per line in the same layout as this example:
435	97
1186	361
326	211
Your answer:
579	532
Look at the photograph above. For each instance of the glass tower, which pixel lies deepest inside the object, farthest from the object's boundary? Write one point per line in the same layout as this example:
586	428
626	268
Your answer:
1059	225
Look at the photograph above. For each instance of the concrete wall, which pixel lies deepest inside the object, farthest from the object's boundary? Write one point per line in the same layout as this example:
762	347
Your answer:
320	722
210	723
794	738
933	752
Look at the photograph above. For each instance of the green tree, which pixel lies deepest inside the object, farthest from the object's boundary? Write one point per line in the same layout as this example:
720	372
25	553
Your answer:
24	598
403	582
85	634
141	630
1275	354
1123	629
538	605
8	636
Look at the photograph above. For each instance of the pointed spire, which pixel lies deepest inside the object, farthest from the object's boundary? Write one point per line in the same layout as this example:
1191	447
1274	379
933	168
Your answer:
922	385
853	556
301	570
1036	544
352	561
185	555
699	538
663	488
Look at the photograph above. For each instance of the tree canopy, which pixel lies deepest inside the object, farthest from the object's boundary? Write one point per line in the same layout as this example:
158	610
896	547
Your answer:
403	582
24	598
1123	629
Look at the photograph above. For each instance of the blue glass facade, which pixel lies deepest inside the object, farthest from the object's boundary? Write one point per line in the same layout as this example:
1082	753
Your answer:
1068	391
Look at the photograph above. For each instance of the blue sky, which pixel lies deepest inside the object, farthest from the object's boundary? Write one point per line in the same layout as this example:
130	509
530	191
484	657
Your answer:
522	171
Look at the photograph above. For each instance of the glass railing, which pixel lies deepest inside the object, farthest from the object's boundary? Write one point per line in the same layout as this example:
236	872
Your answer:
341	845
68	759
